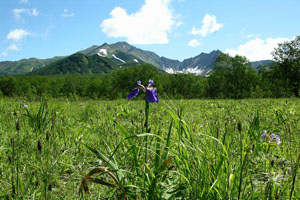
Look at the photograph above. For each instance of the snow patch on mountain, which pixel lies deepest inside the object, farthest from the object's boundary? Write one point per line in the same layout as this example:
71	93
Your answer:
195	71
115	57
102	52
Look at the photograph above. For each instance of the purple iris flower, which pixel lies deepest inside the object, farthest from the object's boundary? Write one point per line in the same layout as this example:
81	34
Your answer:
151	92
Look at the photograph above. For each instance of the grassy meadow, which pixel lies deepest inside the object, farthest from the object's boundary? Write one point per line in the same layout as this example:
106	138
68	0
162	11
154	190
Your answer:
190	149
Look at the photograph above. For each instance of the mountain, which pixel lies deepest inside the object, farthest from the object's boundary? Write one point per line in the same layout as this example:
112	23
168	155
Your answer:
255	64
79	63
200	64
127	52
25	65
117	54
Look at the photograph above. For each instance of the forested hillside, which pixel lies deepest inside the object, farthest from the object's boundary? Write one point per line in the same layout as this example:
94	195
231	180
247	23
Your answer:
232	77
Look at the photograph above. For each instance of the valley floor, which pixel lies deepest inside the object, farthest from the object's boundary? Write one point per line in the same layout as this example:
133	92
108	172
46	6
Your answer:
191	149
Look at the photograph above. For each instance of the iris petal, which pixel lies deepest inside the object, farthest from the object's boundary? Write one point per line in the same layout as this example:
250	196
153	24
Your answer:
151	95
264	135
133	94
150	83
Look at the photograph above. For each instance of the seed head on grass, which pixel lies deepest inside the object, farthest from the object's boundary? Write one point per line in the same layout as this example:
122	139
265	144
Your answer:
39	146
240	127
15	113
18	125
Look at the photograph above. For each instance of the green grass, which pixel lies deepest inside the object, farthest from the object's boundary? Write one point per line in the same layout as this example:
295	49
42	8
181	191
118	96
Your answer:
193	149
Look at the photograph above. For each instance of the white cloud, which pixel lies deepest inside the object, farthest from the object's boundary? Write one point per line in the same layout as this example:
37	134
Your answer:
23	1
194	43
209	25
252	36
257	49
17	34
66	13
34	12
18	11
13	47
149	25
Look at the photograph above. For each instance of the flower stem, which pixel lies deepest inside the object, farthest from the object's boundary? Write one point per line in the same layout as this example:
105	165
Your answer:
146	127
146	115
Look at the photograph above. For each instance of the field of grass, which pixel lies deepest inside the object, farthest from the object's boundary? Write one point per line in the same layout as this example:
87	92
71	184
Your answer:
191	149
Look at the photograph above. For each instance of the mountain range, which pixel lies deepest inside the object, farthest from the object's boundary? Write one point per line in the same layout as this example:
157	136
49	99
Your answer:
108	57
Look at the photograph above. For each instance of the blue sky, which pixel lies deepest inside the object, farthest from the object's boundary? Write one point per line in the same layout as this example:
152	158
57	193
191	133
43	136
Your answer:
176	29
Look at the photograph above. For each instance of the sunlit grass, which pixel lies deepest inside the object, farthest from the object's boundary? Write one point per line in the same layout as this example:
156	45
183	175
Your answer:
194	149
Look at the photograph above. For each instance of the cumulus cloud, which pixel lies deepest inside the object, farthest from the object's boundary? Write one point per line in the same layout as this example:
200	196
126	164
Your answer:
12	47
257	49
67	13
209	25
194	43
149	25
17	34
18	11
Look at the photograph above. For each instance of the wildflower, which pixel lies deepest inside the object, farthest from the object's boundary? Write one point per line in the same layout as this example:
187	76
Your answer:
270	137
25	106
151	92
276	137
264	135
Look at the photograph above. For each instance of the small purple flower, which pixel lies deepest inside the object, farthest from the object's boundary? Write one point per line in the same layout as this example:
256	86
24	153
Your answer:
25	106
276	137
264	135
151	92
271	137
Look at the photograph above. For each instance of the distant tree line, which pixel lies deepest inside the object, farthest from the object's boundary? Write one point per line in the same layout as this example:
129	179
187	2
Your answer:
232	77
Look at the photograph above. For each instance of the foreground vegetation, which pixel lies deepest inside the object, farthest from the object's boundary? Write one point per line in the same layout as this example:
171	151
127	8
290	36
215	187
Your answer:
193	149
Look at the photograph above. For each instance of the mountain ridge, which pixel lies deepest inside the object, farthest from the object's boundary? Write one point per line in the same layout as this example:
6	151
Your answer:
120	53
